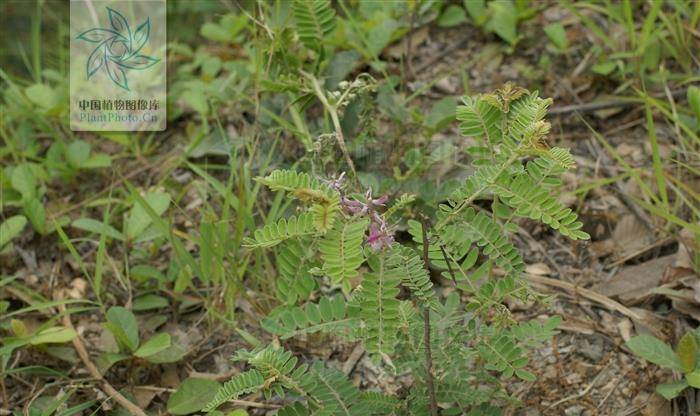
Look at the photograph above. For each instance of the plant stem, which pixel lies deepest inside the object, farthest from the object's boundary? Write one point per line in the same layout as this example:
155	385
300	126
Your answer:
430	383
318	91
429	362
463	204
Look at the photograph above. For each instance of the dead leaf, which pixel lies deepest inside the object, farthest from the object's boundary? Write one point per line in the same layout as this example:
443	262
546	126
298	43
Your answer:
687	308
625	327
143	395
649	323
688	249
633	284
169	376
657	406
539	269
77	288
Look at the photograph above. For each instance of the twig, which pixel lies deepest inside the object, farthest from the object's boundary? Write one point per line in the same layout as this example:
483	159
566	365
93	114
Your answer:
426	332
584	392
94	372
254	404
602	105
596	297
449	265
408	66
352	360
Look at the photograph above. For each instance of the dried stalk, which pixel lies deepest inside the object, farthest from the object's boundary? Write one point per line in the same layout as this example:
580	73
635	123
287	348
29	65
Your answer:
95	373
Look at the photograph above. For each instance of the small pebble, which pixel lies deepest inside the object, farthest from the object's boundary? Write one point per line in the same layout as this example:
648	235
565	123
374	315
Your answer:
574	411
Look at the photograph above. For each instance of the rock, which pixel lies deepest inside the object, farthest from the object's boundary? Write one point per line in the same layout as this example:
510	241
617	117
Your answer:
574	411
593	349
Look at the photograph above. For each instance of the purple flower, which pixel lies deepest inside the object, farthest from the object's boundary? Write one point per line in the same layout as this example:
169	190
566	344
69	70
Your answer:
379	236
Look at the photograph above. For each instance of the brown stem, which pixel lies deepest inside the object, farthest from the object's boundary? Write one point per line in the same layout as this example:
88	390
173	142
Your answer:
426	331
449	265
95	373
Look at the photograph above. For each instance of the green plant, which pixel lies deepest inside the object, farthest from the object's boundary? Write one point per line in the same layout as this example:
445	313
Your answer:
499	16
684	360
456	351
121	323
663	38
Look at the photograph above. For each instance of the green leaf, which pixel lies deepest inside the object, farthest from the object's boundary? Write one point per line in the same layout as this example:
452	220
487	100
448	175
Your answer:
694	100
504	20
687	350
525	375
452	16
476	10
172	354
77	153
34	210
156	344
10	228
99	160
192	395
106	360
148	302
671	390
41	95
380	35
442	114
121	322
196	100
604	68
693	379
138	219
213	31
557	34
97	227
314	21
655	351
24	181
53	335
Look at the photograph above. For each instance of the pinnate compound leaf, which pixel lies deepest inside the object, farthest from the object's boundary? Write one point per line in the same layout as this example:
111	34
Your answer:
315	19
341	250
284	229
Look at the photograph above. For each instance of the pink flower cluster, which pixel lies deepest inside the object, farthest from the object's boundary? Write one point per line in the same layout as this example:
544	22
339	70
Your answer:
380	234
